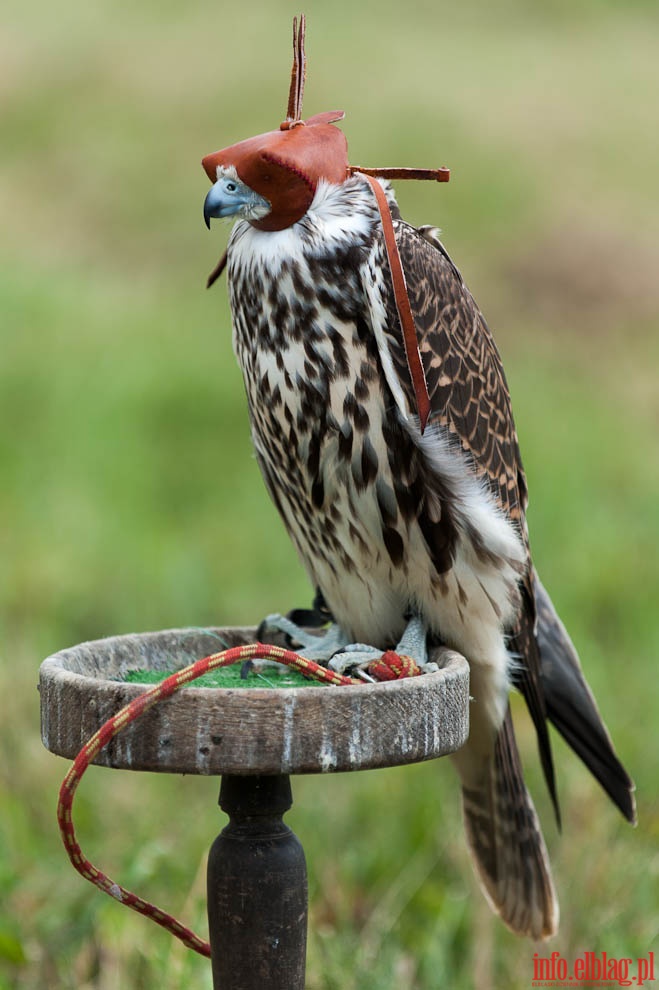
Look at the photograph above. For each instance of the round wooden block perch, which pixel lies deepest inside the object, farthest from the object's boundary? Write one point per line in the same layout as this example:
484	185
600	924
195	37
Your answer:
255	738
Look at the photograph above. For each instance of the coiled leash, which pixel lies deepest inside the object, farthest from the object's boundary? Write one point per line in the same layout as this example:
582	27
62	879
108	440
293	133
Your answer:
389	667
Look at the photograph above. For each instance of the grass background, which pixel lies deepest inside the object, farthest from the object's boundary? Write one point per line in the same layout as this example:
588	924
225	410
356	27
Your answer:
129	499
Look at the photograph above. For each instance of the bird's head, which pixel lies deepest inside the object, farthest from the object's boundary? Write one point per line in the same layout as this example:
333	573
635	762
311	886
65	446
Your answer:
271	179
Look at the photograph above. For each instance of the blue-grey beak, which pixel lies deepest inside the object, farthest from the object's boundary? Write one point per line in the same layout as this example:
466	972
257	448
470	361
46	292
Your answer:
230	197
217	204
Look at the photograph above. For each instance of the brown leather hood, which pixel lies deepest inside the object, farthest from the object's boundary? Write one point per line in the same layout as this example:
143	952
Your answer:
285	166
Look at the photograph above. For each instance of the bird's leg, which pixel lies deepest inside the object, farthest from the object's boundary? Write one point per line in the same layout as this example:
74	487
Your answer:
414	643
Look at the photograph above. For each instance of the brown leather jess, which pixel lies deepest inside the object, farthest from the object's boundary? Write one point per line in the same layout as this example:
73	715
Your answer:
403	307
285	167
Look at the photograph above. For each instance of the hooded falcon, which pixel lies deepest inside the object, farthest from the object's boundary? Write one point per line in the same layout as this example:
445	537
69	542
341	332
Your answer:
383	428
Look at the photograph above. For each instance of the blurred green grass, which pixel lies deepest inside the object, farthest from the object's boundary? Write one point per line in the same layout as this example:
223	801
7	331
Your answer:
130	499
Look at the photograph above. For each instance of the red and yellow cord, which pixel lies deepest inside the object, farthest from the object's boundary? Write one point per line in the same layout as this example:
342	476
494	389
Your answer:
389	667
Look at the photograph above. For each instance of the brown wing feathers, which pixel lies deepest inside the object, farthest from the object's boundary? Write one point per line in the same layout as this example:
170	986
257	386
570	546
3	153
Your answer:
469	398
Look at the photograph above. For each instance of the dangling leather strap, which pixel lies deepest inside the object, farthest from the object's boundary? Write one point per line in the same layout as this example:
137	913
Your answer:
217	271
403	307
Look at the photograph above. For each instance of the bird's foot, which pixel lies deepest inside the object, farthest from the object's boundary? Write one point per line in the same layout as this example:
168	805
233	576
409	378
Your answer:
333	648
320	647
413	645
409	656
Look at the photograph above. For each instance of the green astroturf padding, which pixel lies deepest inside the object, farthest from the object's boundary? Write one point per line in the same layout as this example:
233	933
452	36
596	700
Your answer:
229	677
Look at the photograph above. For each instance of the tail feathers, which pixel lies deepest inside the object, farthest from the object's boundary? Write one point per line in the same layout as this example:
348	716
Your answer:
506	843
572	709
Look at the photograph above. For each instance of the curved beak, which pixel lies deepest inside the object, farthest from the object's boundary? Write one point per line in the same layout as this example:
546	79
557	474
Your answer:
216	204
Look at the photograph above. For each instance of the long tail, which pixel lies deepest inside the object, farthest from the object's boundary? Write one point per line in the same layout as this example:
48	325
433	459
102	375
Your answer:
571	706
506	843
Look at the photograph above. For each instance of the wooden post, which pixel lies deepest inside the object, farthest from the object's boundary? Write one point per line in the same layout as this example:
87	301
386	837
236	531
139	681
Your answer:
257	890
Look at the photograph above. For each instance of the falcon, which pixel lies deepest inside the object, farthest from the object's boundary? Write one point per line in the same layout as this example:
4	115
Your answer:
383	427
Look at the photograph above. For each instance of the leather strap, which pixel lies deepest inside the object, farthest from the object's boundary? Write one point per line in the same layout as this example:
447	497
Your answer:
217	271
436	174
298	73
403	307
